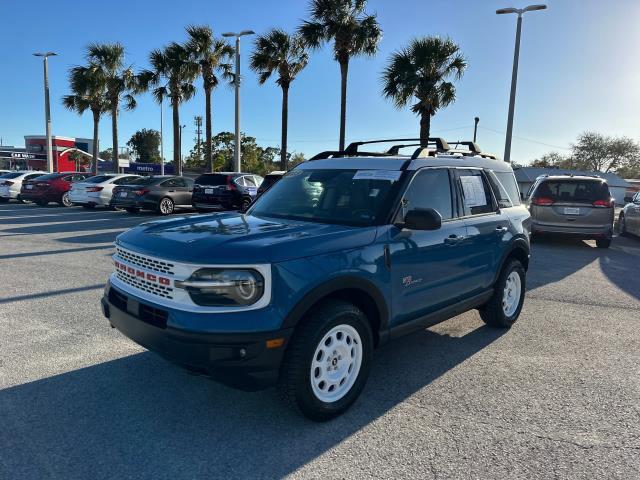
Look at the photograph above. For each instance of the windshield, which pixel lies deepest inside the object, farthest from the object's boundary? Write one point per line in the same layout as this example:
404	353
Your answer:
98	179
349	197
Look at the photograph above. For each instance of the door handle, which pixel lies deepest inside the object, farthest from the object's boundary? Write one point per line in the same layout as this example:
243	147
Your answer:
453	239
501	230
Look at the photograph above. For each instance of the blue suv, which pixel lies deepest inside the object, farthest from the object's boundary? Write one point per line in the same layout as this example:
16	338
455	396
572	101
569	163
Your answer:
349	250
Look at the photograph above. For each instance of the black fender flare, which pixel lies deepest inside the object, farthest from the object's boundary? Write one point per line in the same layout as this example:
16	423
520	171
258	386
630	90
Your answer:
517	244
335	285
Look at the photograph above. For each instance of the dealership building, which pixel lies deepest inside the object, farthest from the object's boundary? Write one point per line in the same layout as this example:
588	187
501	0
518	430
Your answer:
33	156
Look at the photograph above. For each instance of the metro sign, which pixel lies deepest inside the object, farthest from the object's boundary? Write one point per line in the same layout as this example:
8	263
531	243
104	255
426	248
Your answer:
141	274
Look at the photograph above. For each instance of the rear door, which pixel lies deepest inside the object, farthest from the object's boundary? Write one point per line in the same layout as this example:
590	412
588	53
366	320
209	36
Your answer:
486	225
578	203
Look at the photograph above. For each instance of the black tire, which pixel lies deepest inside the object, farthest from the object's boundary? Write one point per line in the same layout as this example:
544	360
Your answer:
295	376
41	203
492	312
64	201
622	225
166	206
603	242
132	209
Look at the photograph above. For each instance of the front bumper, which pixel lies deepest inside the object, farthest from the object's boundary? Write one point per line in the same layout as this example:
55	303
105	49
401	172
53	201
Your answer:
239	360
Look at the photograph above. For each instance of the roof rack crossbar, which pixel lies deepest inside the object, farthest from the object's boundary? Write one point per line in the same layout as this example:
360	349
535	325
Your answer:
472	146
440	143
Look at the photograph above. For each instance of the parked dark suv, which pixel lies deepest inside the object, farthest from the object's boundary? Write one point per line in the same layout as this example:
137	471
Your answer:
577	206
162	194
346	252
225	191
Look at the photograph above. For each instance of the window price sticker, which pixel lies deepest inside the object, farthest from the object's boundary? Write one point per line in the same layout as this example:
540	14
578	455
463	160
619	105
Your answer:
388	175
473	189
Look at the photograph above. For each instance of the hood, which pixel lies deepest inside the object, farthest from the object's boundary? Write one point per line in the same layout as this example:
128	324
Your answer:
232	238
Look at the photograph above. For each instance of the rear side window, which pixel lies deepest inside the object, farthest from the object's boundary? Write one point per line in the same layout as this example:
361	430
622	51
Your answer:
126	180
172	182
508	181
98	179
476	195
31	176
587	191
212	180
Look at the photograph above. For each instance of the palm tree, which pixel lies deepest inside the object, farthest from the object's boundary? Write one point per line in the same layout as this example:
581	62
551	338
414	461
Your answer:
421	71
174	65
89	93
353	33
210	54
284	54
120	82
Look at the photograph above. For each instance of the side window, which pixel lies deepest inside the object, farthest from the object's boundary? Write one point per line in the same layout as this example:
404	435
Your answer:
240	181
77	178
180	182
68	178
501	194
124	180
508	181
430	188
169	183
249	181
476	195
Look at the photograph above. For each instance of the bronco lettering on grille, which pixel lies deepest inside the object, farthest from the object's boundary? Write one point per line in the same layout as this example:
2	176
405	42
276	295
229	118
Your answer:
149	277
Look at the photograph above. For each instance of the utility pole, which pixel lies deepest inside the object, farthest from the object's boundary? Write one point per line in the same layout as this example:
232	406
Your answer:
47	107
198	122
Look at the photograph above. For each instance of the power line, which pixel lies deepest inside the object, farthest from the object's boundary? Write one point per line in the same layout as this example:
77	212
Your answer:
525	139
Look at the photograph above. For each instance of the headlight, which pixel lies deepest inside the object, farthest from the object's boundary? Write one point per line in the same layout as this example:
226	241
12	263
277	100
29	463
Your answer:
218	287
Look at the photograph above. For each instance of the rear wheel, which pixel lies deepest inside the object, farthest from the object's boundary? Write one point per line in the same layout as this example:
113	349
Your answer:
603	242
166	206
503	309
64	201
327	364
132	210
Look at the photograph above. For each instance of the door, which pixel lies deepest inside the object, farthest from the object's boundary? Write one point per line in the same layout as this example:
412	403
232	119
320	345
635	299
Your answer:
487	226
427	270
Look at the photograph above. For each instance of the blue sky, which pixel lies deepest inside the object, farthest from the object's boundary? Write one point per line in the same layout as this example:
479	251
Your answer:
578	70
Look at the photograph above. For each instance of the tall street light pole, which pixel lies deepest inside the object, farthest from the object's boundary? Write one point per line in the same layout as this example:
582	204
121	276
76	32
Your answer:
47	107
514	75
161	139
236	153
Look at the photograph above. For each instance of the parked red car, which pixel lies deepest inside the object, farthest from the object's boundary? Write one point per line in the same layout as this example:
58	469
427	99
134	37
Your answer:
53	187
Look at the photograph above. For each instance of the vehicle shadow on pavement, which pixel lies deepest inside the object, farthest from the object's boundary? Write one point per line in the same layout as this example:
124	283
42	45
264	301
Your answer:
620	263
139	416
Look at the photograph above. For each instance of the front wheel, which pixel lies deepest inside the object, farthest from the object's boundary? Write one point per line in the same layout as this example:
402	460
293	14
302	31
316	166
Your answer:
603	242
166	206
65	201
503	308
327	364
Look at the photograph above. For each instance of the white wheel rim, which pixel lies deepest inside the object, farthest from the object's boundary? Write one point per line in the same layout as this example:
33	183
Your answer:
165	206
336	363
65	199
511	294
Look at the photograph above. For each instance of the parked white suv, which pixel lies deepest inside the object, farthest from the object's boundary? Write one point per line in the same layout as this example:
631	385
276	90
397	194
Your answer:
11	183
98	190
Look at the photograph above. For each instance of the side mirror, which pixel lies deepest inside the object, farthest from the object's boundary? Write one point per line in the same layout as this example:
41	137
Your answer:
628	199
422	219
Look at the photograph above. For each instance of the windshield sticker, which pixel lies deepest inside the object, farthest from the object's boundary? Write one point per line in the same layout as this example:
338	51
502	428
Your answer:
388	175
473	189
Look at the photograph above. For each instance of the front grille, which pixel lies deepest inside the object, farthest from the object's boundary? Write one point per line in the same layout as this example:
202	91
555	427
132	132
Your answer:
144	285
145	262
153	316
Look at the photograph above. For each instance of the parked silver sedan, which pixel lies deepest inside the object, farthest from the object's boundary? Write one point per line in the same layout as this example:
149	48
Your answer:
97	190
629	220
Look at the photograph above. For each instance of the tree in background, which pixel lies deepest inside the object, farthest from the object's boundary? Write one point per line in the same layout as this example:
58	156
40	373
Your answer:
421	71
89	93
173	65
210	55
145	145
284	54
554	160
599	153
353	33
107	59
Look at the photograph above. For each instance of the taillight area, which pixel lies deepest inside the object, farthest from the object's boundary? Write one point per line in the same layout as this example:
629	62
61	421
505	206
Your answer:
603	203
95	189
141	192
6	183
542	201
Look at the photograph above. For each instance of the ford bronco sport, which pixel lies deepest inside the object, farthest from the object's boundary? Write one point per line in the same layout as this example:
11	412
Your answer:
349	250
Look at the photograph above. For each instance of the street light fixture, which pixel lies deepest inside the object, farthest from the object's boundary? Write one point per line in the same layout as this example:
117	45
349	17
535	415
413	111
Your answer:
514	75
47	107
236	153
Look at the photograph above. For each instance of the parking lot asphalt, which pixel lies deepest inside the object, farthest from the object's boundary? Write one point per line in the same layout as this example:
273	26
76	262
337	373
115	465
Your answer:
557	396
